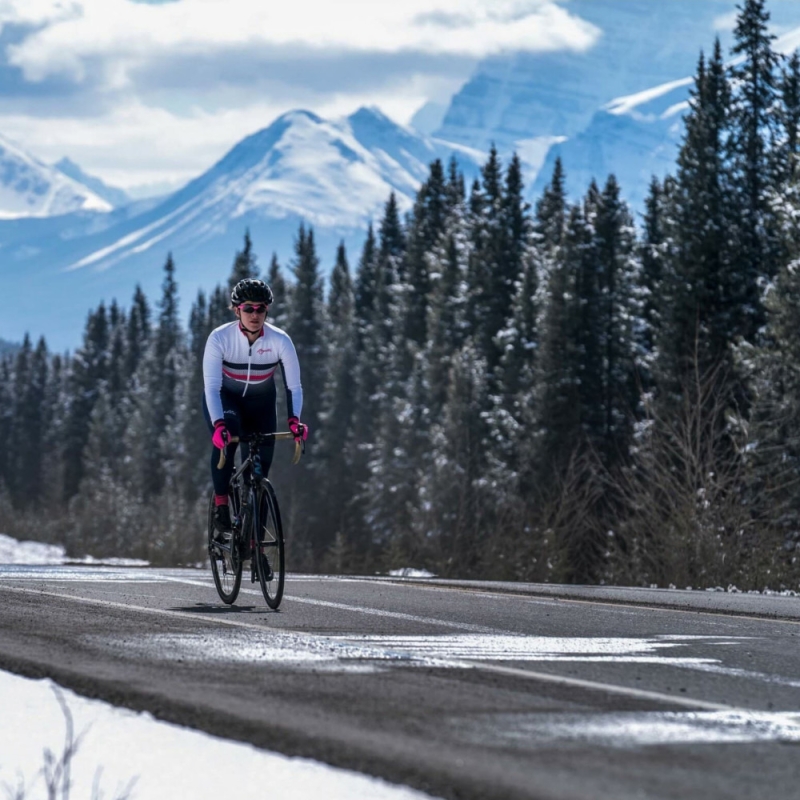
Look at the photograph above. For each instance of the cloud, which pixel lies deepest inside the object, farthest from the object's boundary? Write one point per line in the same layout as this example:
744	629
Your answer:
726	22
139	91
121	35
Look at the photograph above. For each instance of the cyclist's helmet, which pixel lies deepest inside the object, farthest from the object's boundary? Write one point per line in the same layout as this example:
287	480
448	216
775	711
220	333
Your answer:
251	290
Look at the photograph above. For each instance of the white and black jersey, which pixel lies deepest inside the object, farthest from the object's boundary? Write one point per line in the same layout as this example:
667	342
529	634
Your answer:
232	364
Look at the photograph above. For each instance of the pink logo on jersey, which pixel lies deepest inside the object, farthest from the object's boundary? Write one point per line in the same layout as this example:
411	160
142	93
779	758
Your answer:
262	350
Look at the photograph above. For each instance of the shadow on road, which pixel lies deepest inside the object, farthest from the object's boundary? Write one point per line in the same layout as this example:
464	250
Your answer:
208	608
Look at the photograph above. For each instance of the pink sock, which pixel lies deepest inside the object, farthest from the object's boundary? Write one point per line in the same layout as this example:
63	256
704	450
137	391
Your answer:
220	499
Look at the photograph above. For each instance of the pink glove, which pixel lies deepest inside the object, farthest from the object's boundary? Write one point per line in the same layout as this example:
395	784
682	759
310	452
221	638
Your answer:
299	430
221	437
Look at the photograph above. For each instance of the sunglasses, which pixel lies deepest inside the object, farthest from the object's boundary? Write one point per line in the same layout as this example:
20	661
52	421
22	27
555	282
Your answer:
259	309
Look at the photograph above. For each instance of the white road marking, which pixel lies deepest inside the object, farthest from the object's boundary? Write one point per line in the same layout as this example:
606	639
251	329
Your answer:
375	612
393	649
632	729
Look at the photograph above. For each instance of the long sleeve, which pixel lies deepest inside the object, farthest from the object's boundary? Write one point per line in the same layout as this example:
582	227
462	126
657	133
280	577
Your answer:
212	376
290	367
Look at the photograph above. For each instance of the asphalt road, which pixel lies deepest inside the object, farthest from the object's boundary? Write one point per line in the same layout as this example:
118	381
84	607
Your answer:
463	691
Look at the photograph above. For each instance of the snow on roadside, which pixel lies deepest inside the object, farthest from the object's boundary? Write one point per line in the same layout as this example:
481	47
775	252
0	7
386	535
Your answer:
28	553
411	572
165	761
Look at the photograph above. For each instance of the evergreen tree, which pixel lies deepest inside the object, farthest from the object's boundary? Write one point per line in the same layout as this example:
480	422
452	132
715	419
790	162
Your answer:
337	419
89	369
619	275
138	332
702	305
153	435
194	469
772	435
307	323
278	312
551	211
30	376
753	153
244	263
448	314
790	91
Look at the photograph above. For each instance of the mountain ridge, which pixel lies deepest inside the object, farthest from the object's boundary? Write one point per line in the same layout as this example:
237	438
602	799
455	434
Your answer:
333	175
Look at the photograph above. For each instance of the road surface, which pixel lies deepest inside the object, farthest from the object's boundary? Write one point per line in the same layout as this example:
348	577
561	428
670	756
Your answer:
461	690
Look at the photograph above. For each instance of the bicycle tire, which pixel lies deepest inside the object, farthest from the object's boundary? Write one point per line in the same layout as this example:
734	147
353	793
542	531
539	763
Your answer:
226	566
269	551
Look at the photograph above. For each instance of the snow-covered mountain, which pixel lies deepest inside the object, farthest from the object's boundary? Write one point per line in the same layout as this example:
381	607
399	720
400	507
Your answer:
333	175
30	188
113	196
615	108
635	137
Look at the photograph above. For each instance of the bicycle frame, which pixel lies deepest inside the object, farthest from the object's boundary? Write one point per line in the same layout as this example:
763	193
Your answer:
257	533
247	477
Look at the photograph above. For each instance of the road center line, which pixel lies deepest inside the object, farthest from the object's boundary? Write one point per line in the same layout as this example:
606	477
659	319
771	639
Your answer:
621	691
375	612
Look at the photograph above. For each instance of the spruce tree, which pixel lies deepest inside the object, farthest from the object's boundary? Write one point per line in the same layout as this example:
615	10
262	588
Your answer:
307	323
88	371
244	263
753	154
702	306
278	313
335	445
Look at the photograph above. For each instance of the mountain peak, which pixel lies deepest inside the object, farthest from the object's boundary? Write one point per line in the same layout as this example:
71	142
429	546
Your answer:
298	115
112	195
30	188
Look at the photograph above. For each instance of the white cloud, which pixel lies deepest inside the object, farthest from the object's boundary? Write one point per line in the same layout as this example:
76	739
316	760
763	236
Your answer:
121	35
137	145
141	93
726	22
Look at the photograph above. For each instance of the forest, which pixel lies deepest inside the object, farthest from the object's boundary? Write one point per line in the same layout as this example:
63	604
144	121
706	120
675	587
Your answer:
557	393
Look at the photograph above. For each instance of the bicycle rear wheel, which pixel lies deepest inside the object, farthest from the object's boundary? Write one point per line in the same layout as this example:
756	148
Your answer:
270	559
226	566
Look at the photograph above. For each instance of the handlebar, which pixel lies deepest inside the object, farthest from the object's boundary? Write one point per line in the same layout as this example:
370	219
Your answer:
258	437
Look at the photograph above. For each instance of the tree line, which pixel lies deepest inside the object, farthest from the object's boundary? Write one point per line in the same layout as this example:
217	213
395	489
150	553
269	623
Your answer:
496	391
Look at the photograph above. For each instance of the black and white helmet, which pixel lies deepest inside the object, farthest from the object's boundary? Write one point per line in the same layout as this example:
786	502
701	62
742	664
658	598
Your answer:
251	290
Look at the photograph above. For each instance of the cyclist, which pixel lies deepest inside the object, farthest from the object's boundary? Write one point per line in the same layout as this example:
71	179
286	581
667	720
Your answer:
239	365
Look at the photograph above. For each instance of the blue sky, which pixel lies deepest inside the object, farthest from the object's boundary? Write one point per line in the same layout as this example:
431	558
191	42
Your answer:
145	92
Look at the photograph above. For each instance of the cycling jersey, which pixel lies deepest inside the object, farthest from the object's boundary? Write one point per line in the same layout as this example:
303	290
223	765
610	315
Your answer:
230	362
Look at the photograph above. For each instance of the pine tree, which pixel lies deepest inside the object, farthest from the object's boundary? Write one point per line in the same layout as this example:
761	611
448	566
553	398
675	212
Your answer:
307	323
790	92
30	384
448	314
244	263
551	211
619	275
652	254
451	495
278	312
702	306
753	153
559	410
89	369
194	432
153	435
138	332
335	444
772	434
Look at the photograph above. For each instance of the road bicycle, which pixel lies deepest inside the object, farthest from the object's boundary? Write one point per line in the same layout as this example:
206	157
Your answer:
257	533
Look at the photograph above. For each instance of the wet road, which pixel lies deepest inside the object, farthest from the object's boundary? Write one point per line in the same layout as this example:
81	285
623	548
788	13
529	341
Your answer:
461	691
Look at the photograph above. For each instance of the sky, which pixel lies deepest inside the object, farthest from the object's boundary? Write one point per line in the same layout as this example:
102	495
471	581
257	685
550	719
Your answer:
147	94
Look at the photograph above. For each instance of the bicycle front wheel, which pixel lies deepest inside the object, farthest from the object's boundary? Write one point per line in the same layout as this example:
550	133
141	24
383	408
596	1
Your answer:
226	566
270	559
